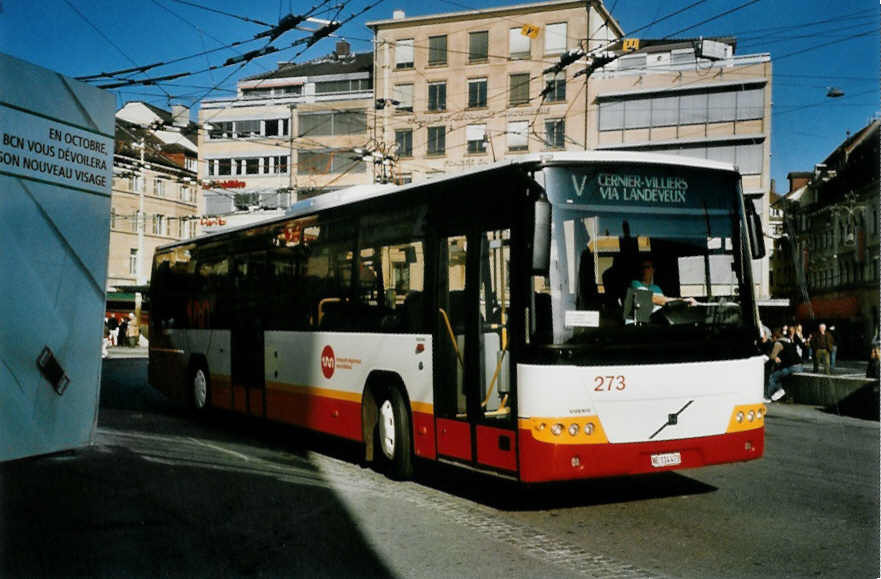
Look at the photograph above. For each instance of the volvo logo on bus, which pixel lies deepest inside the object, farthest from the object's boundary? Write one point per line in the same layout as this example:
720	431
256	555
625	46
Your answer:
328	362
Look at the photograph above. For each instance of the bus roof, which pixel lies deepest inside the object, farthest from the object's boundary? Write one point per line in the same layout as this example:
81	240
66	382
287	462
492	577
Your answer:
358	193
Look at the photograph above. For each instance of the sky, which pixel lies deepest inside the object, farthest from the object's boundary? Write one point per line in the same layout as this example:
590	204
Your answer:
812	49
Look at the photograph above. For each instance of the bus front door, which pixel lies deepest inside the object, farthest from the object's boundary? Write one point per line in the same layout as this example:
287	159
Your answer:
475	423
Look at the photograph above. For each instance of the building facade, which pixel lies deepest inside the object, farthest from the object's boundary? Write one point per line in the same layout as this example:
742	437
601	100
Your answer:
288	134
831	243
155	196
681	98
463	89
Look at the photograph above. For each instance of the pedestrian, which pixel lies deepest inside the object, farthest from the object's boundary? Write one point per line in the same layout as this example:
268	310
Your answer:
113	324
873	370
822	345
833	348
796	340
123	331
133	332
105	342
786	361
801	340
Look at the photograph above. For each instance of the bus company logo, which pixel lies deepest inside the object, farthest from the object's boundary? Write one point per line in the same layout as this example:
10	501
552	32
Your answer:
328	362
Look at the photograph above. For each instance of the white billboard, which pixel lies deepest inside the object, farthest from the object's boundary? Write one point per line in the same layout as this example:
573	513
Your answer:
56	164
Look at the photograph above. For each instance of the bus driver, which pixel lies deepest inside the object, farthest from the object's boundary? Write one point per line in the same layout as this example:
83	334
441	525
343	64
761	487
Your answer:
646	281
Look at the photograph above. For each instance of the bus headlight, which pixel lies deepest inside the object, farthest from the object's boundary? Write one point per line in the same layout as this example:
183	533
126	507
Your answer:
556	429
573	429
588	428
751	415
740	416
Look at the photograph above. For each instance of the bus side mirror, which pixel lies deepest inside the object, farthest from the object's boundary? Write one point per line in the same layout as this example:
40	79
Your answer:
541	238
756	235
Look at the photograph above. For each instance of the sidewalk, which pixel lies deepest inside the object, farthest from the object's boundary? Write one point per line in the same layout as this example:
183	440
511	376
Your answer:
124	352
845	391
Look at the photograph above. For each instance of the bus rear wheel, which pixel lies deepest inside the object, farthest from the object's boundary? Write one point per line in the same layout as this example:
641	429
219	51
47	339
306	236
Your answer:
394	439
199	387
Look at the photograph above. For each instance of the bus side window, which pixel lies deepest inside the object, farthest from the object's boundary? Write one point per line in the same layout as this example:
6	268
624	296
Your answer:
390	288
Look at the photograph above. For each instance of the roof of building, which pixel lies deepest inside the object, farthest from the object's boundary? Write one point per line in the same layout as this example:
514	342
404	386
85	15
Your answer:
496	11
127	143
332	64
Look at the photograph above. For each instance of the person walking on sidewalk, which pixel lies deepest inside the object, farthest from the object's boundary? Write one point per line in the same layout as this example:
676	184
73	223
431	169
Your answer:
786	360
822	344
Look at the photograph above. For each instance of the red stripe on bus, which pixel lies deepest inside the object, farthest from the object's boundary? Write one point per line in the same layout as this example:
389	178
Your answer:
497	447
423	439
540	462
322	413
454	438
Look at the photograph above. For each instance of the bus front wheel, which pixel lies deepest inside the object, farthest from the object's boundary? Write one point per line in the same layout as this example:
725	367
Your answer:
395	442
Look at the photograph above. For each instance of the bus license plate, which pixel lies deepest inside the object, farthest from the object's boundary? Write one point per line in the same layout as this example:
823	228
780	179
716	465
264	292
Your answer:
666	459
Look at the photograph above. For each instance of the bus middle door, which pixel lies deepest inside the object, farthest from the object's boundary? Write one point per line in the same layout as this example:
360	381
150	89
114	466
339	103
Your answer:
249	319
475	423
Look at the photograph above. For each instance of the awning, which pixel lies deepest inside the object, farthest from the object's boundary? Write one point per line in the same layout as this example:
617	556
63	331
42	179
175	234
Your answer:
829	308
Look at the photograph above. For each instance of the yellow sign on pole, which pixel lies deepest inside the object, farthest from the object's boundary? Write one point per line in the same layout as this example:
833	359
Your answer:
530	30
630	44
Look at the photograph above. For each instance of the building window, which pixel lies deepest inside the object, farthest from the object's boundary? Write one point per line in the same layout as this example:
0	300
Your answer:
186	194
437	50
220	130
476	93
437	140
478	46
698	107
404	53
437	96
518	135
347	86
245	129
555	87
136	183
276	127
404	142
519	89
160	225
555	133
405	178
159	187
275	165
323	162
518	44
224	167
403	93
555	38
349	122
133	261
476	137
632	62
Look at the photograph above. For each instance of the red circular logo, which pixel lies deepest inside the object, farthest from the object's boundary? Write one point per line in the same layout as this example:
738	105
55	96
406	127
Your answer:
328	362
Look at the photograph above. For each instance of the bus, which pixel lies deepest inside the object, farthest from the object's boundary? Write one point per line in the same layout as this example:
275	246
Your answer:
493	319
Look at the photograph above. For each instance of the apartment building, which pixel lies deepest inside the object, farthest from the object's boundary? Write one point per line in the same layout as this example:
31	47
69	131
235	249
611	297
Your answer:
462	89
830	253
288	134
155	195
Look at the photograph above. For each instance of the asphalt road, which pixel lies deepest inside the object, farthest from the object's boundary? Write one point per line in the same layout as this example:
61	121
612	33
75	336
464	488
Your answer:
161	494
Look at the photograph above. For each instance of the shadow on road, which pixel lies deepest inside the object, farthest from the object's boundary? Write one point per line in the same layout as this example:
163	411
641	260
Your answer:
512	496
155	498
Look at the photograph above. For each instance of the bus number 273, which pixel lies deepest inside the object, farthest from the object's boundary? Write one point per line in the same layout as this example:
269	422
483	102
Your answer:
609	383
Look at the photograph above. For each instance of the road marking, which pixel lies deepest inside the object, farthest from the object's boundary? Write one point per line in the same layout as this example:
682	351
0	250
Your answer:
220	449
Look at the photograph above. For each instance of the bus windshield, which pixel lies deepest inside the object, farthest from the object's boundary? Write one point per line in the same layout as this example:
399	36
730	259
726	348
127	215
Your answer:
642	250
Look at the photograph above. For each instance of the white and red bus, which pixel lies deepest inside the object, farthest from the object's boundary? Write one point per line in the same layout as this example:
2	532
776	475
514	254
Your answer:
493	319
